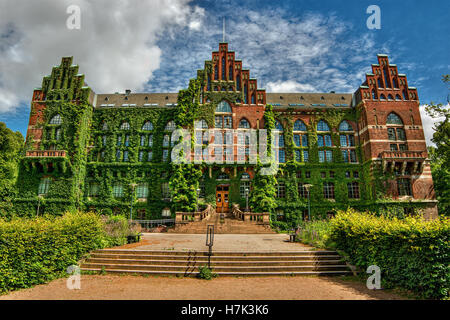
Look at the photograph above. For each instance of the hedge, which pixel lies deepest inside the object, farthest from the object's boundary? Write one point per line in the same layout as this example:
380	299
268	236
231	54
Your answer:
412	253
35	251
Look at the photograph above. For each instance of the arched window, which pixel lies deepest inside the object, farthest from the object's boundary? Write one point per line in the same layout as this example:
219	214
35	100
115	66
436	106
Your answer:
125	126
397	97
170	126
392	118
148	126
390	97
244	124
322	126
382	97
223	106
56	119
299	125
278	126
345	126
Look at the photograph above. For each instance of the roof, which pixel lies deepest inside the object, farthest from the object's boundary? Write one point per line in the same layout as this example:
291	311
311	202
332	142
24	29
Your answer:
296	100
278	100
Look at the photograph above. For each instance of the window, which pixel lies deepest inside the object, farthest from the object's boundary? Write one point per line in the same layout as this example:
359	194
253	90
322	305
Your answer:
166	213
401	134
127	140
395	133
118	155
125	126
331	174
56	119
148	126
281	190
93	189
125	156
394	119
325	156
104	126
245	185
281	156
298	156
166	141
141	155
345	126
201	124
223	176
165	155
58	134
118	190
44	186
353	190
244	124
223	106
119	140
150	140
322	126
142	190
165	190
404	187
328	190
324	140
308	174
299	126
305	155
355	174
170	126
142	140
302	190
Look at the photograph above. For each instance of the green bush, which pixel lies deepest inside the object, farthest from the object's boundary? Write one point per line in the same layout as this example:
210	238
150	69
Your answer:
316	233
206	273
412	253
35	251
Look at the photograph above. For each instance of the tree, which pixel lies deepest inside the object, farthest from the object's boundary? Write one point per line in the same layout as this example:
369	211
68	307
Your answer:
440	155
11	145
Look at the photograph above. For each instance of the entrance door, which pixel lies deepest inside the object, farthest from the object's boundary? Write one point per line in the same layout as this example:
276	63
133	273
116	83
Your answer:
222	199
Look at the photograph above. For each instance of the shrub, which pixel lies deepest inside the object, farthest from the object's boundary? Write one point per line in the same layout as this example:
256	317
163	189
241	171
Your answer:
206	273
412	253
35	251
316	233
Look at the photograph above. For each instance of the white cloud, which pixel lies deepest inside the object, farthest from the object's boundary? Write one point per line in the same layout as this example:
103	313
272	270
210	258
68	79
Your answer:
289	86
428	124
116	46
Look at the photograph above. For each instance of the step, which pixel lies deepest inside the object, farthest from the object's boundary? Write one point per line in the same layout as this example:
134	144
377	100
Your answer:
247	274
217	253
213	262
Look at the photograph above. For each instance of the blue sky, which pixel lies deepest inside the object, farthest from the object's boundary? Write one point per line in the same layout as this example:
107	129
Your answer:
306	46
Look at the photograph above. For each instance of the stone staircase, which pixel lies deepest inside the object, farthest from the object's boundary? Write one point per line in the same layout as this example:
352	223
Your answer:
229	225
187	263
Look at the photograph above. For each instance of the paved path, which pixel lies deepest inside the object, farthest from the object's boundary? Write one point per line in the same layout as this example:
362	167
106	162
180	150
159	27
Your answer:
98	287
222	242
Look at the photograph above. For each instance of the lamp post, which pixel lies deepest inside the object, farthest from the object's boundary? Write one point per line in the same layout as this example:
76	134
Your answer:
39	202
198	195
132	185
308	186
246	197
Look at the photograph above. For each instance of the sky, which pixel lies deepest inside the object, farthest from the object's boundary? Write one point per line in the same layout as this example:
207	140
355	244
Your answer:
158	45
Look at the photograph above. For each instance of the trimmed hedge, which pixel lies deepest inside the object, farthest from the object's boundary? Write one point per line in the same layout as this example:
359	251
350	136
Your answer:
412	253
35	251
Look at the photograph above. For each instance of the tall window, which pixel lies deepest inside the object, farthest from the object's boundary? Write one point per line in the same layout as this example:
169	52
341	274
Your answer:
328	190
323	141
93	189
223	116
170	126
118	190
302	190
142	191
347	142
44	185
104	126
281	153
242	188
281	190
300	140
404	187
165	190
396	132
224	75
353	190
148	126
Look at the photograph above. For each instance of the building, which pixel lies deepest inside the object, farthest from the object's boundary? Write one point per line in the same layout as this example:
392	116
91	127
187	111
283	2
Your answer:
94	151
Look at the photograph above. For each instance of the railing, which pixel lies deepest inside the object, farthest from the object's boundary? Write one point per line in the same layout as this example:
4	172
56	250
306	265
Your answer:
46	153
404	154
183	217
250	216
148	224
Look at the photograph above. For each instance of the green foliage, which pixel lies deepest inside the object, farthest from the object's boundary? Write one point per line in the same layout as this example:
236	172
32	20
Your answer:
11	147
316	233
183	185
441	180
205	273
412	253
35	251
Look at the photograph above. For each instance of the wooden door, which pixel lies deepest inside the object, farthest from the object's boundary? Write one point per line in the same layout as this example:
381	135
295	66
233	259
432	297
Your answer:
222	201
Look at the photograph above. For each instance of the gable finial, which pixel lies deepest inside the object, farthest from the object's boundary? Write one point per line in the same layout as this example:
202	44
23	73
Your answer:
223	30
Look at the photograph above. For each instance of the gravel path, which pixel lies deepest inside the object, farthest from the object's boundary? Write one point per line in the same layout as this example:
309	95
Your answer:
106	287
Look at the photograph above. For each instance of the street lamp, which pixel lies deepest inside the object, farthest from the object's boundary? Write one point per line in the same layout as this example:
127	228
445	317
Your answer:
198	195
39	202
132	185
246	197
308	186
